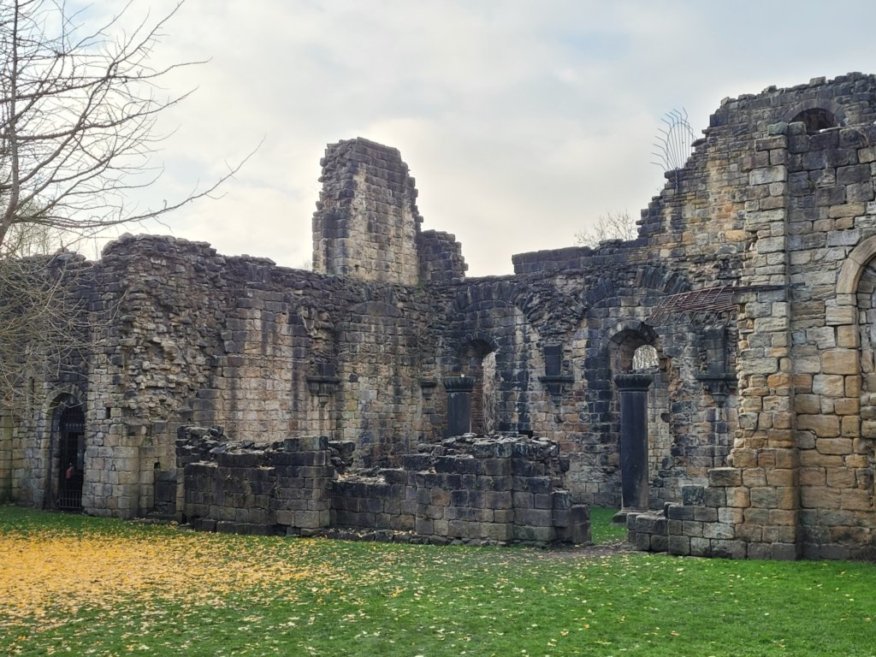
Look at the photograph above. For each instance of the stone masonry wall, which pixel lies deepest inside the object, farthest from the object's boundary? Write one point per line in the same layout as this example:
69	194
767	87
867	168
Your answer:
752	279
249	490
53	376
481	490
488	491
440	256
801	475
366	224
243	344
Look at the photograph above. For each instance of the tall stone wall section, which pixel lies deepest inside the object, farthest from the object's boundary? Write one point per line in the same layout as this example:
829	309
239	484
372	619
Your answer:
193	337
52	376
367	223
800	481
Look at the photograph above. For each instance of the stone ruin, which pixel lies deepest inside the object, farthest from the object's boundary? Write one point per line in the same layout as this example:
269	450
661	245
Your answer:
466	489
752	279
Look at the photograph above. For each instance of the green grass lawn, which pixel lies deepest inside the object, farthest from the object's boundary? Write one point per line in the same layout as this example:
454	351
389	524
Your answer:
86	586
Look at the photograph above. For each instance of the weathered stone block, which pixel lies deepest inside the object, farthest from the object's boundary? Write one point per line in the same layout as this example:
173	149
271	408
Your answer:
533	517
700	547
840	361
534	534
715	497
659	543
692	495
824	426
679	545
725	477
679	512
705	514
728	549
820	497
650	524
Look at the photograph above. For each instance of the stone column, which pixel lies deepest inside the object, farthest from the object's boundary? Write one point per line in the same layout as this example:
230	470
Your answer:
633	389
458	404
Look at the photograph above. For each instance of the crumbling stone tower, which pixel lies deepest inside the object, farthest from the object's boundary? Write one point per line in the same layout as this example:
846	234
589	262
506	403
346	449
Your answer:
367	223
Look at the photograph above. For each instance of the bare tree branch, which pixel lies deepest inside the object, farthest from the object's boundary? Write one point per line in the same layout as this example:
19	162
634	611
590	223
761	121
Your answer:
609	226
77	118
78	111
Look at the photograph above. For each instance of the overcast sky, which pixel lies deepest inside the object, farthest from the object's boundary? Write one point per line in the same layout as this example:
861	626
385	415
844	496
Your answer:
522	122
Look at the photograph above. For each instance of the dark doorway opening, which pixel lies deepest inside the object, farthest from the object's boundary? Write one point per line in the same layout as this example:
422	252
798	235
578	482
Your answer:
71	458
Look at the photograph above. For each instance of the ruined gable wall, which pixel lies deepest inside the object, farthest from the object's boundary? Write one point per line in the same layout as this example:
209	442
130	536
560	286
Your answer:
366	225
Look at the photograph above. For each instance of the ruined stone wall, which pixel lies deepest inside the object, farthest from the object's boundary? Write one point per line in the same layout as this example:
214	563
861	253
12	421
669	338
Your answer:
801	481
485	491
440	257
557	340
752	278
249	490
366	224
263	351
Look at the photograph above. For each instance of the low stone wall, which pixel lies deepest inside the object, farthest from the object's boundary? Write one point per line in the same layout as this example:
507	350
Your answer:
706	524
486	491
496	490
284	488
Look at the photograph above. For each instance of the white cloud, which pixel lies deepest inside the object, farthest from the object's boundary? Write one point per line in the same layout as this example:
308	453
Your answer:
521	121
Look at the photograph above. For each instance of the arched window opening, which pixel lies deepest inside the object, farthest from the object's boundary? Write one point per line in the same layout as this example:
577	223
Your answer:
816	119
632	348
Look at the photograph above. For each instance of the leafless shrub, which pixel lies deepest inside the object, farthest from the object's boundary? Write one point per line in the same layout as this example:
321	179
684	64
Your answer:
609	226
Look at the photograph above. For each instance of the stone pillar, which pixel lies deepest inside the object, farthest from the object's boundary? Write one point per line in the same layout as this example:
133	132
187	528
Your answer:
633	389
458	404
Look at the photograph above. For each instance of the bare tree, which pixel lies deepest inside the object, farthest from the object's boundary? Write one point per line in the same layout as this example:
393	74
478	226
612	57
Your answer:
609	226
78	111
43	327
77	119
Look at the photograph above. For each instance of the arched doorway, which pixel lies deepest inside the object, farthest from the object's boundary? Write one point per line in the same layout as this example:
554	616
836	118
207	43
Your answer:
71	458
635	351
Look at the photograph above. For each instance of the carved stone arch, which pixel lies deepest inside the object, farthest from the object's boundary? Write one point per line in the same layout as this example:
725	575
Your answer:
850	272
627	337
625	340
483	295
817	114
501	293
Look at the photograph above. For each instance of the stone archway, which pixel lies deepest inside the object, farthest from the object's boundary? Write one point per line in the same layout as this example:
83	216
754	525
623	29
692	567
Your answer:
631	393
67	454
855	303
